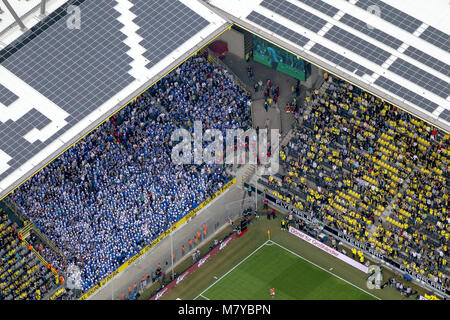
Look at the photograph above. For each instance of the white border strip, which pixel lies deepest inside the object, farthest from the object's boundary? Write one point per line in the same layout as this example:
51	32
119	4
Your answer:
328	250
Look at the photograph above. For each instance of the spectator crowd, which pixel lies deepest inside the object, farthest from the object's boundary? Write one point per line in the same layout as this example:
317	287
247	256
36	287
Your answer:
374	172
116	190
354	162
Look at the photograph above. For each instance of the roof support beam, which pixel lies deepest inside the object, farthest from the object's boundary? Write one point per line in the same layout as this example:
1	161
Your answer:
43	3
14	14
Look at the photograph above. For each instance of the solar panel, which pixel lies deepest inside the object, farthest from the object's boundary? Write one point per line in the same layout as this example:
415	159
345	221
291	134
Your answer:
377	34
436	37
428	60
357	45
76	69
421	77
445	115
391	14
321	6
295	14
90	64
81	69
6	96
406	94
340	60
13	140
165	25
278	28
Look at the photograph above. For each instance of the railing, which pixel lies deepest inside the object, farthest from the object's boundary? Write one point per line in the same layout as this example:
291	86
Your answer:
48	242
29	226
12	206
42	260
25	231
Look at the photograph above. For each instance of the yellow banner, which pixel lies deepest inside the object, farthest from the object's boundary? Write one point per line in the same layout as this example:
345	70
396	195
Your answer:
58	293
156	241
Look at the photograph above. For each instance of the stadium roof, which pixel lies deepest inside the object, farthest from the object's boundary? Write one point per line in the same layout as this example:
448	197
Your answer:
58	81
399	50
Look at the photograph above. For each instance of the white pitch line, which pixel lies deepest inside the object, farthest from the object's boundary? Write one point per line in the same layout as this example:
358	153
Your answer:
202	297
269	243
215	282
325	270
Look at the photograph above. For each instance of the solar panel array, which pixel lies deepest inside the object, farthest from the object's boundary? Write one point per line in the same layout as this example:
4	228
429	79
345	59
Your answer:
6	96
421	77
391	14
165	25
77	69
295	14
355	23
428	60
351	42
445	115
81	69
340	60
436	37
377	34
357	45
321	6
406	94
13	141
278	29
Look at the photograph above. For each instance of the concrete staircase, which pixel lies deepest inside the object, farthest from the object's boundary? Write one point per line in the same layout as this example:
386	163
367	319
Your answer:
406	183
245	174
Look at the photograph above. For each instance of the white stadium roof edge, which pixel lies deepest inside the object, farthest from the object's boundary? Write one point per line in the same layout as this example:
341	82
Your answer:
58	81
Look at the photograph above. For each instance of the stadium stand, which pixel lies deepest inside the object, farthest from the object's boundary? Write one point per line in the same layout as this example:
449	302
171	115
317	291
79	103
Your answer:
116	190
372	171
353	161
22	275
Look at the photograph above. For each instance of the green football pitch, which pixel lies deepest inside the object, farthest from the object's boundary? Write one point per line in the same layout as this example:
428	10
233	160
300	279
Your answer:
292	277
